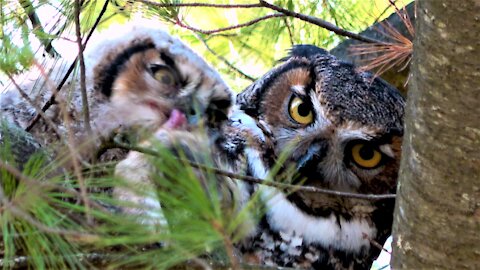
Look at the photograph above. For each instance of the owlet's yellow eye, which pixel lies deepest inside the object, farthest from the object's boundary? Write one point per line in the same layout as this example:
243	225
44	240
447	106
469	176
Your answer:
366	156
163	74
300	111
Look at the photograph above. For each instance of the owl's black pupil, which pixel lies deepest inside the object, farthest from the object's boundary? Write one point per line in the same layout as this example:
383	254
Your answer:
303	109
166	79
366	152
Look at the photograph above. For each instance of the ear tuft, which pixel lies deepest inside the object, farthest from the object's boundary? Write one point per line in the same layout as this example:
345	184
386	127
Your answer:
304	50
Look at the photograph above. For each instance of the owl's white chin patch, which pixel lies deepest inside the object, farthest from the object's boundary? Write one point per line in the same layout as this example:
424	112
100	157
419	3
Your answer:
332	231
283	216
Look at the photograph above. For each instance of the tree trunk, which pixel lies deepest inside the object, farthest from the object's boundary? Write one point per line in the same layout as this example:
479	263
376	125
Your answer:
437	215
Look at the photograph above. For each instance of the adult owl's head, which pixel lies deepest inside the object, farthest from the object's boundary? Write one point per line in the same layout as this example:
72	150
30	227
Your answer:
347	125
344	129
146	74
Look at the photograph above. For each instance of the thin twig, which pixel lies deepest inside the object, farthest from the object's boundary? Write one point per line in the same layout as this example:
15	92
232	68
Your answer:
224	60
208	32
290	34
48	121
62	106
385	10
319	22
36	24
199	5
71	141
83	86
51	100
331	11
117	144
77	169
227	242
375	243
74	156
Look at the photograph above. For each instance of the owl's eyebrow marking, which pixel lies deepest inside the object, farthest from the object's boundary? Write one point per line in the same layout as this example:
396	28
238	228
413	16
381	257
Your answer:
348	134
117	65
387	150
167	59
298	89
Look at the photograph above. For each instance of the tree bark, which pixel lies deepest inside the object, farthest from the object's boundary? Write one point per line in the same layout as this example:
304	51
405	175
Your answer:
437	215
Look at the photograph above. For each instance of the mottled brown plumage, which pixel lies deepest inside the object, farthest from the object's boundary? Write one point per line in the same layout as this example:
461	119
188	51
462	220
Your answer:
356	119
344	129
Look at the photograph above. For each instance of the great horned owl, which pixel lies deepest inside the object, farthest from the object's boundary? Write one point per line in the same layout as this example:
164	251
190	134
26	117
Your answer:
147	74
136	77
344	129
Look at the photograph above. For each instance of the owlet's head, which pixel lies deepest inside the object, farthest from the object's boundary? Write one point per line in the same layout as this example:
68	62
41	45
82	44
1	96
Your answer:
146	74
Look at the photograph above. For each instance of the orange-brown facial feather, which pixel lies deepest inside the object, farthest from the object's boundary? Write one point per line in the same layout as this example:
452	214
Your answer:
137	81
139	93
284	88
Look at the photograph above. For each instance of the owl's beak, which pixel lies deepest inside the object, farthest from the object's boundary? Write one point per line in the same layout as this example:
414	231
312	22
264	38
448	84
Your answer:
193	118
201	113
177	120
192	110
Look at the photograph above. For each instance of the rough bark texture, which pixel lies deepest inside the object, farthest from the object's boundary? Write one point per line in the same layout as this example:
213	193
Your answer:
437	215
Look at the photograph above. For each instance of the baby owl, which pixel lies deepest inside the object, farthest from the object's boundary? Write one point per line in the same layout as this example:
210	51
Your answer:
136	77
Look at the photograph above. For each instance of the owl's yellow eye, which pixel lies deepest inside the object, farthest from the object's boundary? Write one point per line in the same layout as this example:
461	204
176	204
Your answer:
163	74
300	111
366	156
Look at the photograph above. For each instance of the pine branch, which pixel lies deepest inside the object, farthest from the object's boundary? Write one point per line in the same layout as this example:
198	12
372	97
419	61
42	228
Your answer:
208	32
19	213
199	5
17	174
117	144
319	22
